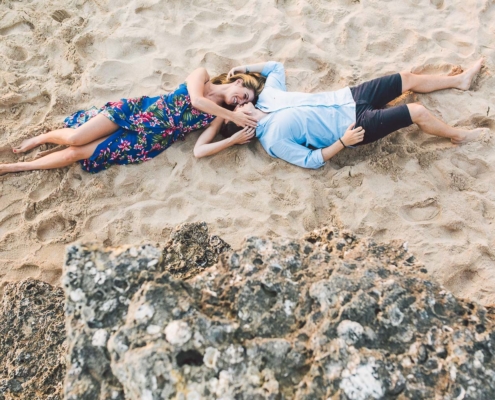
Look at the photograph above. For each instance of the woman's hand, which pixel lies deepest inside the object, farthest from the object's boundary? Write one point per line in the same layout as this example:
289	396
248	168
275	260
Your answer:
243	136
353	136
243	118
241	69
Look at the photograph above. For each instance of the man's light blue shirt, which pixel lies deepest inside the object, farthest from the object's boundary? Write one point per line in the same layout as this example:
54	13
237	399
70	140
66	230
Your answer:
301	124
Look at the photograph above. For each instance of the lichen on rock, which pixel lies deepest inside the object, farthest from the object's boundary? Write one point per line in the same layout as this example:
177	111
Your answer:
327	316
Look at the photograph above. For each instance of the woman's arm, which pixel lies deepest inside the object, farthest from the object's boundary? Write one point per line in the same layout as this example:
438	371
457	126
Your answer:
196	86
204	146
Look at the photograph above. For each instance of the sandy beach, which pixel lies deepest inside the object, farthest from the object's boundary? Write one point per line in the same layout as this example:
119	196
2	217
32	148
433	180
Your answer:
57	57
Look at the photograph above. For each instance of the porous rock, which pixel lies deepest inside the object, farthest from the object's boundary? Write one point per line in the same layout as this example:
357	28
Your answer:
32	347
100	286
329	316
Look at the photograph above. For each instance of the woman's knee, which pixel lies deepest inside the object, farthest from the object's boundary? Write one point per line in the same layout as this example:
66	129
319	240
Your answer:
418	112
74	139
73	154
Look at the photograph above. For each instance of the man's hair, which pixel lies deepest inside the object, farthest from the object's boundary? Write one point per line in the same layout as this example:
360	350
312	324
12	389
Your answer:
228	129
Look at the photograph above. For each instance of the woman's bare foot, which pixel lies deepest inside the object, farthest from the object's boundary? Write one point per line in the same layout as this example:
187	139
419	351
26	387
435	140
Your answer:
4	169
26	145
466	78
466	136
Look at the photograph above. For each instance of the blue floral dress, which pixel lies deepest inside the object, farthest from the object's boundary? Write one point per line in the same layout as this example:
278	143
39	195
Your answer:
147	126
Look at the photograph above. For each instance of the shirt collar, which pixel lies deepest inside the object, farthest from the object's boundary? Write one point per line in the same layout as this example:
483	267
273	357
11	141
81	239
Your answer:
260	129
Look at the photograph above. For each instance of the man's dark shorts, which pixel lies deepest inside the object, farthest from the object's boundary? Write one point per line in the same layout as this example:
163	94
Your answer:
370	98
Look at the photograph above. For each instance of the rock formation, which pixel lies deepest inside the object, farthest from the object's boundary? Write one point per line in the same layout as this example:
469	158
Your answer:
32	347
327	316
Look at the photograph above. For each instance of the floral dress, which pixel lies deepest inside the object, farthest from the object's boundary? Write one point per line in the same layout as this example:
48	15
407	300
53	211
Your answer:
147	126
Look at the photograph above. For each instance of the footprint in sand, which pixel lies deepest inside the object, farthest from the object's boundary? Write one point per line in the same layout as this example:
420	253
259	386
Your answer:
474	167
15	53
20	27
438	4
465	277
123	49
422	211
25	271
60	15
447	41
9	224
43	191
436	143
53	228
434	69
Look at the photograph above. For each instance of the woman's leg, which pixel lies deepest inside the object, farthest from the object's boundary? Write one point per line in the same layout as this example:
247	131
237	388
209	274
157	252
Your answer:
59	159
97	127
430	83
433	126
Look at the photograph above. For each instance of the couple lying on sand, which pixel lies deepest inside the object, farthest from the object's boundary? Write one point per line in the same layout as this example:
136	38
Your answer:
305	129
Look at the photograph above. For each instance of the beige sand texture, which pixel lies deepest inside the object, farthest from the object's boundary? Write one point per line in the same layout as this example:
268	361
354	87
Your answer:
60	56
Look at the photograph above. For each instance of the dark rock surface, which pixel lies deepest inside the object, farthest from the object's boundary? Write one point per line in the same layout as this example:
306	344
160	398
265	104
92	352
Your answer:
32	348
100	286
328	316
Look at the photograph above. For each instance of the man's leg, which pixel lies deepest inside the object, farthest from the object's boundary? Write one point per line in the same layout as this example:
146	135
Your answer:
433	126
430	83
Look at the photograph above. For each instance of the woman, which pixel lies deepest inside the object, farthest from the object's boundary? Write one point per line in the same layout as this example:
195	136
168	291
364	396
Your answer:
307	129
136	130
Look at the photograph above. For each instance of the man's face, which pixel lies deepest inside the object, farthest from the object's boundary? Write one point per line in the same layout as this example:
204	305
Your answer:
247	107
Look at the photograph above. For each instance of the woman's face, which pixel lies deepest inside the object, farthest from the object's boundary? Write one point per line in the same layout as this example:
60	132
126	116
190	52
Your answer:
237	94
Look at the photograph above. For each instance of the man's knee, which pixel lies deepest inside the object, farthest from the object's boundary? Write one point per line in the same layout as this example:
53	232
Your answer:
418	112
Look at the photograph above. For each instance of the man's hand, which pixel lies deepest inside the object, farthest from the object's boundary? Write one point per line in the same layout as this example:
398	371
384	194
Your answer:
243	136
353	136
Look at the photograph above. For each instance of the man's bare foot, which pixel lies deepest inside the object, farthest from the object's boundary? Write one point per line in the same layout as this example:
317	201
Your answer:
466	136
26	145
466	78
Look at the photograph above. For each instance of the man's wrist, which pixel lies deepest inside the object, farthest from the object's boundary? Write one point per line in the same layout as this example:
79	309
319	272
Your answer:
343	144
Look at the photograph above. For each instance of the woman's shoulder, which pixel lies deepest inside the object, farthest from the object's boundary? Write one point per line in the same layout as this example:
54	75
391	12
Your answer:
179	91
182	87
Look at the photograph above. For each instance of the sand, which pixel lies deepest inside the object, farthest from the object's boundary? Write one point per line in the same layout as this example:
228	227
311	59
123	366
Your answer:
60	56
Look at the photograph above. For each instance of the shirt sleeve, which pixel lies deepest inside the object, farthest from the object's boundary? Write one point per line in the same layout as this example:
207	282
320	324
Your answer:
275	75
297	154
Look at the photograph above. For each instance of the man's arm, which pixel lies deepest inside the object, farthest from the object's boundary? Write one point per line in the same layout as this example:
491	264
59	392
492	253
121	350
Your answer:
247	68
274	72
350	138
297	154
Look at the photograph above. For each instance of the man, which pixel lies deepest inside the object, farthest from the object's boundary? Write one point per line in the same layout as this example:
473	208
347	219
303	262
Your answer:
307	129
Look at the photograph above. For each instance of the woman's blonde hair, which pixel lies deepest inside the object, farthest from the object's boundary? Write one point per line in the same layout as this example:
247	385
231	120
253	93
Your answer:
252	80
